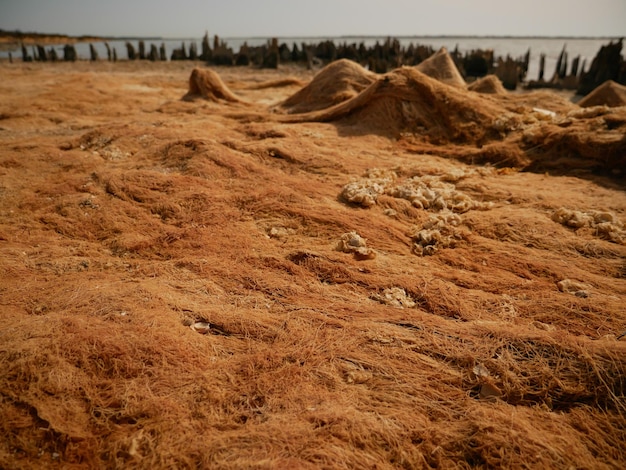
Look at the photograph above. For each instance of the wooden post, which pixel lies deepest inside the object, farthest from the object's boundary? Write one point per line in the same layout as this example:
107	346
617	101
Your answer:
563	71
69	53
131	51
41	53
154	53
93	54
526	61
559	65
272	59
193	51
508	73
575	64
206	49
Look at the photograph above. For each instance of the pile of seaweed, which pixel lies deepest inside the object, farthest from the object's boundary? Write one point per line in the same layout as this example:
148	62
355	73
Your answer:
433	112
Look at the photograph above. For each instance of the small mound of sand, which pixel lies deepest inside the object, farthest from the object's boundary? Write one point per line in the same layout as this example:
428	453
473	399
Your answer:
489	84
207	84
440	66
335	83
610	94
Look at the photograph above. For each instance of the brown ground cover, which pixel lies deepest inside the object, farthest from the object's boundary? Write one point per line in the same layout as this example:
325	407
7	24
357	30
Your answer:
414	275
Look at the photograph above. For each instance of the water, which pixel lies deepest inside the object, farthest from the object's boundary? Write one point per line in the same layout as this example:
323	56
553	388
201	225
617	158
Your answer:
515	47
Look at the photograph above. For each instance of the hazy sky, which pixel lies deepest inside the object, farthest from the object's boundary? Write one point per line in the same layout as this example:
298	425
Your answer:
284	18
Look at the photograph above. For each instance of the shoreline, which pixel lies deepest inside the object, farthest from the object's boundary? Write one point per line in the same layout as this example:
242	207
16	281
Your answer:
13	40
288	68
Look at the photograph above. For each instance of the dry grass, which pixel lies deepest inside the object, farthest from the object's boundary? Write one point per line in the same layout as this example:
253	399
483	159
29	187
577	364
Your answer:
124	225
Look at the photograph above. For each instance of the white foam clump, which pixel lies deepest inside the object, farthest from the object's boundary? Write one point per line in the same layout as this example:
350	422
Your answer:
352	242
605	224
395	297
430	192
438	232
365	191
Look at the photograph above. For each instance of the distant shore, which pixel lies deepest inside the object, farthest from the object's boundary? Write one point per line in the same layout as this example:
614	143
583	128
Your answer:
12	39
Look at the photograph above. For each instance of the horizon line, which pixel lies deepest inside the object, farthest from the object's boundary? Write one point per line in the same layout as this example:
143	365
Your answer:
322	36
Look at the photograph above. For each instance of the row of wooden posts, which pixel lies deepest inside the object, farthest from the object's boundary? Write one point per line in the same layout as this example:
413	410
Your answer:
380	58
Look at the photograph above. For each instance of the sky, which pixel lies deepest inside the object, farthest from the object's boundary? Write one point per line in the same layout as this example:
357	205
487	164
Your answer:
316	18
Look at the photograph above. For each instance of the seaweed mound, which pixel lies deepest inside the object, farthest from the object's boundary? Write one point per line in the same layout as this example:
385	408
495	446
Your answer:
344	79
489	84
207	84
440	66
335	83
407	100
610	94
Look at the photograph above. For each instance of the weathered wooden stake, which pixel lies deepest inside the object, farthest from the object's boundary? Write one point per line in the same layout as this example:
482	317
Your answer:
93	53
542	66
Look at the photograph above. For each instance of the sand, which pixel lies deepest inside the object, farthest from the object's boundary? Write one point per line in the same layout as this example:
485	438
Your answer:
407	275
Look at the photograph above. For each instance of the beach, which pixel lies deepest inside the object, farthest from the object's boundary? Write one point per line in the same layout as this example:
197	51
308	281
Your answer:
234	267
